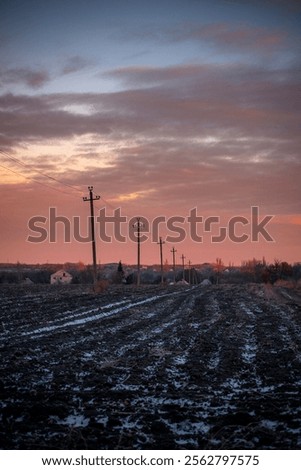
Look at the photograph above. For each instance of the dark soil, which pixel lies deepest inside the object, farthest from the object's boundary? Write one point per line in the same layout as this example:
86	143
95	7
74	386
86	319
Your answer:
150	368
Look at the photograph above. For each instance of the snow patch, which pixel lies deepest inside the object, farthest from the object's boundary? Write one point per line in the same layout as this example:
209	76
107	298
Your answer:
75	421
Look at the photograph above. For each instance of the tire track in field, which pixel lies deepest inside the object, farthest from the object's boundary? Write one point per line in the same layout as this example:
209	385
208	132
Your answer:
72	319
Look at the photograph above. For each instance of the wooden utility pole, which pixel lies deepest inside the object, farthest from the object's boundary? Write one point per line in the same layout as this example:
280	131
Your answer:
91	199
173	251
138	225
219	265
183	266
189	272
161	258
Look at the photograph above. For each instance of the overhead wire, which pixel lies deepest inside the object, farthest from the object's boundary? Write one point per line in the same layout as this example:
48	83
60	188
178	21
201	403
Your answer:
52	178
32	179
25	165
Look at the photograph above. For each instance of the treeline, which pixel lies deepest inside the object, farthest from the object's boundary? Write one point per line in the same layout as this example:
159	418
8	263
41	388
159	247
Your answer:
258	271
17	276
249	271
23	274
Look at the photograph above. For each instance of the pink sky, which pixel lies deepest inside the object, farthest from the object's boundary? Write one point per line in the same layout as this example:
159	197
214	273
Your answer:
161	115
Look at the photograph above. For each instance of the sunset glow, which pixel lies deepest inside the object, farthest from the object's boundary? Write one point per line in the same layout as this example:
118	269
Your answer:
162	107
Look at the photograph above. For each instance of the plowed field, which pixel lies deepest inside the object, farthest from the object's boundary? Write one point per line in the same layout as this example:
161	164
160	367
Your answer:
150	368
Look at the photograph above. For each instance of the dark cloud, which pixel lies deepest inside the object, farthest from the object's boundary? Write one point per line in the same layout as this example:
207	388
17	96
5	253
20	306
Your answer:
231	37
174	102
293	5
206	176
228	133
74	64
154	75
26	119
184	102
37	78
25	76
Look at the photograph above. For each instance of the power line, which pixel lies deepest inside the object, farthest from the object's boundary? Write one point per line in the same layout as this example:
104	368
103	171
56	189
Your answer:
107	203
52	178
25	165
35	181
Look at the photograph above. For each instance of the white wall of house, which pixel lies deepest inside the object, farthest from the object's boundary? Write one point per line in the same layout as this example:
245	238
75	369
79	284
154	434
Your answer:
60	277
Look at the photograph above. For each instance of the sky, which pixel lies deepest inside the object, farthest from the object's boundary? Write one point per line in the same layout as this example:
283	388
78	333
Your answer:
184	113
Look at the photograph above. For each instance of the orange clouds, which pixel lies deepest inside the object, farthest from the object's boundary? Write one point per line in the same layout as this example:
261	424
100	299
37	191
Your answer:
220	137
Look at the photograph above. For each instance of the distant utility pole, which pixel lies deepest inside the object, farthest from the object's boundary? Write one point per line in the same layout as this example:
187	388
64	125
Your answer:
173	251
161	258
189	272
183	265
138	225
91	199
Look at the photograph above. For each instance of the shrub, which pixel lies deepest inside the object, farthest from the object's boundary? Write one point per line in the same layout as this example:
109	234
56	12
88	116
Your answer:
101	286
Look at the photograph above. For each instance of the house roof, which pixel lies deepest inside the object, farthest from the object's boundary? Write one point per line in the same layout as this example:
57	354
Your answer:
61	272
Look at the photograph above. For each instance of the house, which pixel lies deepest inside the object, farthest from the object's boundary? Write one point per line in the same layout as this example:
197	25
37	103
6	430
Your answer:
61	277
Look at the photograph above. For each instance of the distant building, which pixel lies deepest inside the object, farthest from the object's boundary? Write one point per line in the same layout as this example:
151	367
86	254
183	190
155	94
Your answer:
60	277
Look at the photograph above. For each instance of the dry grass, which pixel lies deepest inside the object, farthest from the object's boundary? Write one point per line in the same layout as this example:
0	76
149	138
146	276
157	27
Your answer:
101	286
